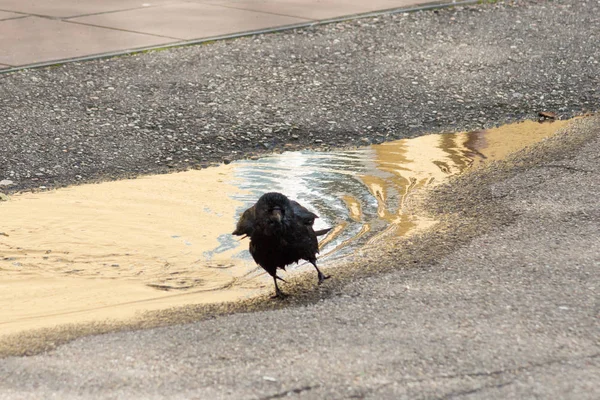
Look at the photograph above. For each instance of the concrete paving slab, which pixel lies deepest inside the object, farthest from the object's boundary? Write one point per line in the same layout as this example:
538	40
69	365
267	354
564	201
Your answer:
175	20
9	15
314	9
33	39
189	20
70	8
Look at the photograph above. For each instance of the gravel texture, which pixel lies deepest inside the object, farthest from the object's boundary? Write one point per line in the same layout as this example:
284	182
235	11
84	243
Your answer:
337	85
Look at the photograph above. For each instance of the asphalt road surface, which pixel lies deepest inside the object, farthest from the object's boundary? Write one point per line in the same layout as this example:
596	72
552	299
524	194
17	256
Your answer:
512	312
501	302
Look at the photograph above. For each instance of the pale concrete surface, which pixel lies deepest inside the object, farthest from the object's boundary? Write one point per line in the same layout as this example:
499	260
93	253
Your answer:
33	39
72	8
186	21
314	9
58	30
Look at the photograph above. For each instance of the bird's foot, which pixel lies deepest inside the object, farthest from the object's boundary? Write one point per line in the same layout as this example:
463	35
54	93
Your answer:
322	277
279	295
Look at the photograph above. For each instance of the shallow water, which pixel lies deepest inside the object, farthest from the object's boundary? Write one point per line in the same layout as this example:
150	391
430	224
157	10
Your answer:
110	250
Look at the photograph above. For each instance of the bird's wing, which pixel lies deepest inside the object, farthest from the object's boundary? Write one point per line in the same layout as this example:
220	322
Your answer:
307	217
245	225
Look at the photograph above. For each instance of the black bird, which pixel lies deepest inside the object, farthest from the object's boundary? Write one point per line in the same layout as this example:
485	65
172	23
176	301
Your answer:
281	233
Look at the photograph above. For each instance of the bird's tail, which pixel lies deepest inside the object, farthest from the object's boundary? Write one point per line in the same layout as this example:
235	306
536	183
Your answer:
322	231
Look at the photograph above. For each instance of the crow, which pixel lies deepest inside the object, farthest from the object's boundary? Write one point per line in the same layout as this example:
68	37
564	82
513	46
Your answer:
281	233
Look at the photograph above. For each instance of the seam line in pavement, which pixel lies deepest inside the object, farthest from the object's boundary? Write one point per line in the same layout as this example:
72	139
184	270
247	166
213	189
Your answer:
11	18
122	30
231	7
110	12
60	18
311	23
14	12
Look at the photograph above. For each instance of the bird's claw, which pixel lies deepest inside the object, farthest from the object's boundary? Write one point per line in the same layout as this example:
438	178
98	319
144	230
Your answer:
322	277
279	295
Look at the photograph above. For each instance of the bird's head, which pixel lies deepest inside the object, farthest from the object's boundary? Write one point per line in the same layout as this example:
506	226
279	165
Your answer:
273	208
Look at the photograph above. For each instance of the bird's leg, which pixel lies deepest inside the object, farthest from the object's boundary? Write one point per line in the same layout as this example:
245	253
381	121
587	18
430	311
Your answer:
321	275
278	293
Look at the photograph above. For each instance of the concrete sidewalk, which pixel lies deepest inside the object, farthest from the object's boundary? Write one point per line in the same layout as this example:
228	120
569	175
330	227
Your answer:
38	32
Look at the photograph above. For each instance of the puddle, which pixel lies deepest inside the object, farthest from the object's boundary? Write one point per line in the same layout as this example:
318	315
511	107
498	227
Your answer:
111	250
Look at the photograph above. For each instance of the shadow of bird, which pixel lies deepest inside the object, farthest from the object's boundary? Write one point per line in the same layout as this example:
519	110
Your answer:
281	233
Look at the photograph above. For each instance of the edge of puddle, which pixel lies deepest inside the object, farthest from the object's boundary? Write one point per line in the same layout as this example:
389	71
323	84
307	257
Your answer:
465	207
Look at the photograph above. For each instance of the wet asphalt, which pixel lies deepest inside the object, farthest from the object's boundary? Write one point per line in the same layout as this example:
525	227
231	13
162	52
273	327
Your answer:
501	303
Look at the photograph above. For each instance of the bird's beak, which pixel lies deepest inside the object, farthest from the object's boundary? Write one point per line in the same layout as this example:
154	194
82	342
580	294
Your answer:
277	215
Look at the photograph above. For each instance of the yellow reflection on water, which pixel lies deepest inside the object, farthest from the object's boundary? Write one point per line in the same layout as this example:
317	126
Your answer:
412	164
110	250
